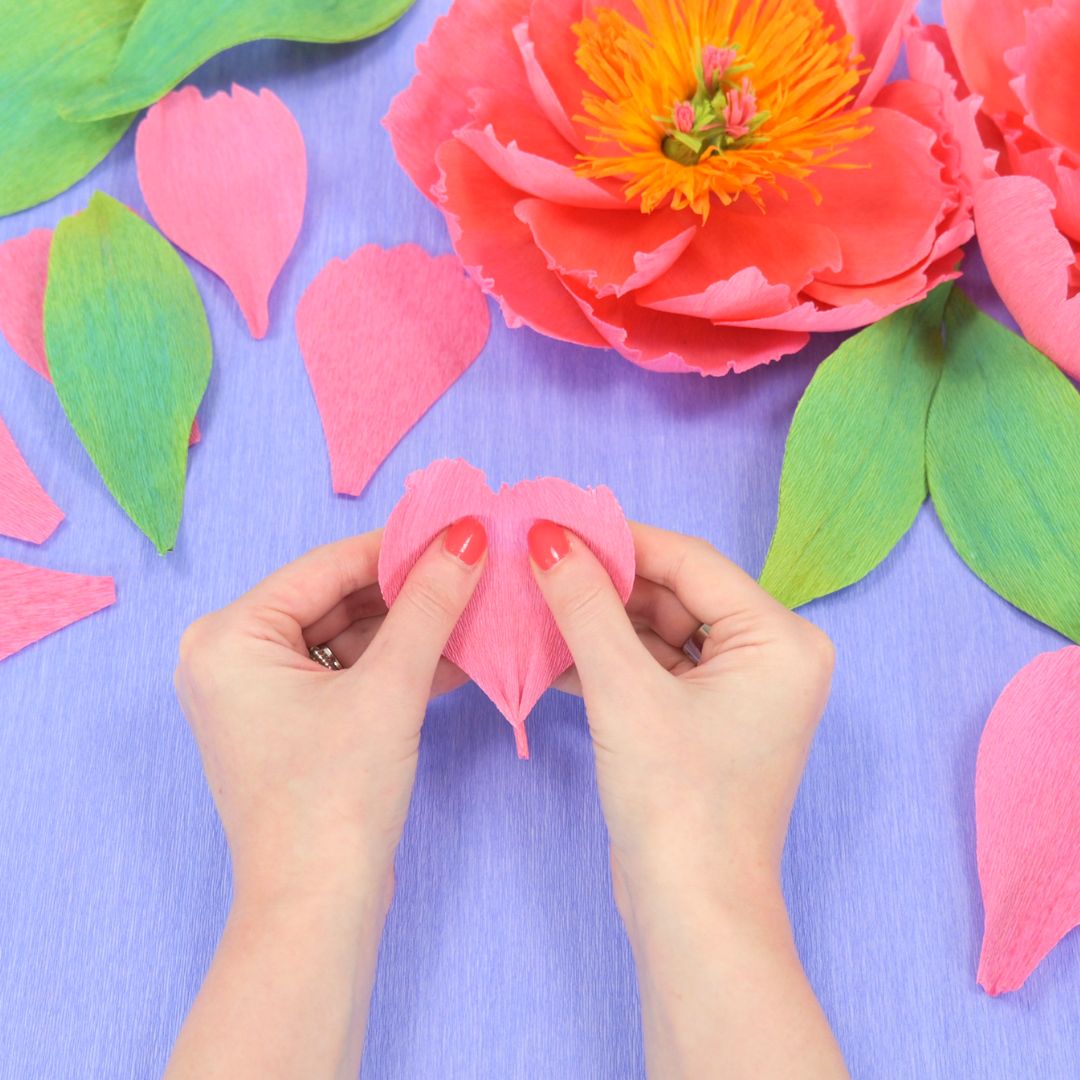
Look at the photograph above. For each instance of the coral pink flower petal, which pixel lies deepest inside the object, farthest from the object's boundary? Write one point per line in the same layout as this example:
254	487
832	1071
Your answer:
384	334
506	639
35	602
1027	818
26	511
981	31
542	89
1046	163
1050	87
612	253
24	265
498	249
471	47
225	179
1031	263
878	29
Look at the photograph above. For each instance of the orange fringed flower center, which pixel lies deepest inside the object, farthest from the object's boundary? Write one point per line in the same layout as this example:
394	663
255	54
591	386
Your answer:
704	98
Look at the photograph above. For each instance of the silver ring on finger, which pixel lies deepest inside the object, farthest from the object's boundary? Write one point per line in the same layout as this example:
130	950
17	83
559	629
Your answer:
323	654
695	643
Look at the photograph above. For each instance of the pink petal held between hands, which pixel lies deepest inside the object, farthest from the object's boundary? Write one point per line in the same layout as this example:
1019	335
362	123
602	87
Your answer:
24	265
1027	818
506	639
384	334
35	602
26	511
225	178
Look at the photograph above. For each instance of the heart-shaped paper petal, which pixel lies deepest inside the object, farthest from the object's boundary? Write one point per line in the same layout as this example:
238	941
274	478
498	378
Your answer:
35	602
384	335
225	179
1027	815
506	640
26	511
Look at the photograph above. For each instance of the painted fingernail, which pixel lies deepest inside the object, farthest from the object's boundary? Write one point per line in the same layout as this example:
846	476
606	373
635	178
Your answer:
466	540
548	544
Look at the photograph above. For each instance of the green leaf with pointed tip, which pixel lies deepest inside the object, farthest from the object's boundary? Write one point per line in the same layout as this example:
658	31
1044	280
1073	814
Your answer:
171	38
54	51
129	353
854	473
1003	460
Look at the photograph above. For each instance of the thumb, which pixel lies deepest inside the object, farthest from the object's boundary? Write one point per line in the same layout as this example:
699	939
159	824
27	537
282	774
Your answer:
587	609
416	628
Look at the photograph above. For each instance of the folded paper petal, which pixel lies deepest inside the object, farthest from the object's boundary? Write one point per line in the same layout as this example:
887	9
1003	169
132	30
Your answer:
1027	818
384	334
506	639
129	351
1050	81
225	178
24	266
35	602
878	29
26	511
1031	264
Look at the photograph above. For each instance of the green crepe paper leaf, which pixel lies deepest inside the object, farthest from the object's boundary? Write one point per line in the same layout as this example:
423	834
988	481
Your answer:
854	472
171	38
1003	460
53	52
129	351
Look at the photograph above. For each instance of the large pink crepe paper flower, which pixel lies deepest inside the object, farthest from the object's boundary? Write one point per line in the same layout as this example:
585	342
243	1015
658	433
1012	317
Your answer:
1018	63
593	219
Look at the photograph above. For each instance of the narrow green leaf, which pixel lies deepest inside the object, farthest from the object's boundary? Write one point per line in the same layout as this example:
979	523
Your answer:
171	38
854	472
129	352
1003	460
54	51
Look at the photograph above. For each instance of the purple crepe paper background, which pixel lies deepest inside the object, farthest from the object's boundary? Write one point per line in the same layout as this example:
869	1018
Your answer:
503	955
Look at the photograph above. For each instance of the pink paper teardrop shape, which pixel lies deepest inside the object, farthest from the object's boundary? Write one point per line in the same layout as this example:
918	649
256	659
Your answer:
26	511
225	179
384	334
35	602
506	639
1027	814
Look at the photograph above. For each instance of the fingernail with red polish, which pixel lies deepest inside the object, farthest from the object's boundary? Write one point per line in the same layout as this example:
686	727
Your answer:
466	540
548	544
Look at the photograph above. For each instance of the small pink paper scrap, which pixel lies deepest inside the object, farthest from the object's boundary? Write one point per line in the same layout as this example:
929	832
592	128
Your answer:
225	179
35	602
384	334
506	640
26	511
1027	816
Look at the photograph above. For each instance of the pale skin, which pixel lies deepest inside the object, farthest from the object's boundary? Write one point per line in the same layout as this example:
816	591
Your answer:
698	766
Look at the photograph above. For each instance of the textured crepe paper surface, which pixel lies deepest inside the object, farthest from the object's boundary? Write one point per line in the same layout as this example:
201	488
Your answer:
129	351
854	472
224	178
24	270
35	602
384	334
54	52
1003	458
506	639
171	38
26	511
1027	815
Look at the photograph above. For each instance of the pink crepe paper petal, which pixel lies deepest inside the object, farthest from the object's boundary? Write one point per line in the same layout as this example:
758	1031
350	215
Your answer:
35	602
24	264
24	270
225	178
384	334
1027	818
506	640
1030	263
26	511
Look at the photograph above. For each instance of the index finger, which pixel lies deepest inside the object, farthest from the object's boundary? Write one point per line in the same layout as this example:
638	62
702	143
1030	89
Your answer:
709	585
307	588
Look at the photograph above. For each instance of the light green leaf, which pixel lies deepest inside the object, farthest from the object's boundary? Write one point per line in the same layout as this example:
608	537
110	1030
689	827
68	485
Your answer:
171	38
53	52
1003	460
854	472
129	353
